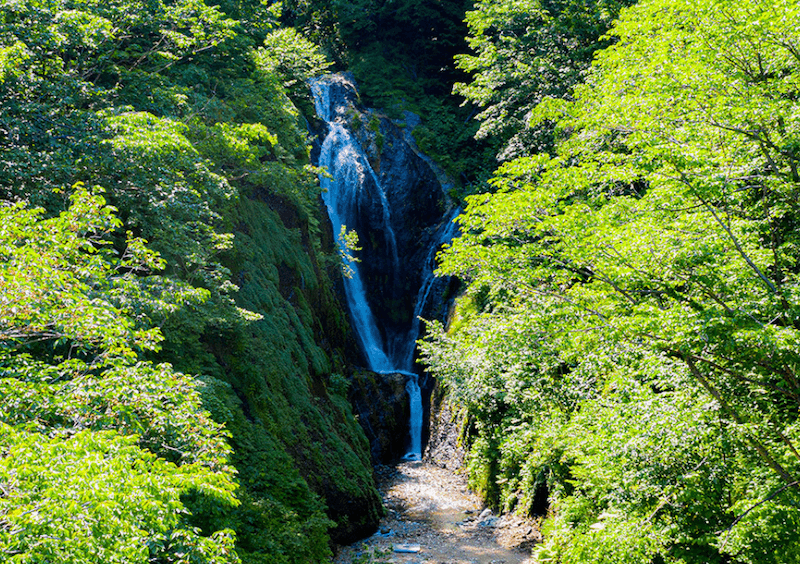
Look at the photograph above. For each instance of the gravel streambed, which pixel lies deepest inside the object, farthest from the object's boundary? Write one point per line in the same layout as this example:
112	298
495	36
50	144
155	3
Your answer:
432	518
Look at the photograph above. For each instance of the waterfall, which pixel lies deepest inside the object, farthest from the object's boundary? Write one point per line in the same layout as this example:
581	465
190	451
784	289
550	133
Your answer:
346	166
412	386
428	278
415	418
352	191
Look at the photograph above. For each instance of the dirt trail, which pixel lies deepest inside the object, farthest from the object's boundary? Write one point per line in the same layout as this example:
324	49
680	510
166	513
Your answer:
433	516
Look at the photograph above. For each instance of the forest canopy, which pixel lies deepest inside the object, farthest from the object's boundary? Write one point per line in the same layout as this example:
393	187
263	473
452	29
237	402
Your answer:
627	347
625	350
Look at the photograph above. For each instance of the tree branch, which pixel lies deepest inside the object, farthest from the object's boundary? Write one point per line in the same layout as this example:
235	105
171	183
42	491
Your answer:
760	448
770	497
733	238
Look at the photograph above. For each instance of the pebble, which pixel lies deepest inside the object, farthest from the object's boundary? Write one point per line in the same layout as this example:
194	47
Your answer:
440	524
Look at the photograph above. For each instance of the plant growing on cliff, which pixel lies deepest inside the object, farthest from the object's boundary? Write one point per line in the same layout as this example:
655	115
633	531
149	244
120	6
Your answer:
374	126
348	246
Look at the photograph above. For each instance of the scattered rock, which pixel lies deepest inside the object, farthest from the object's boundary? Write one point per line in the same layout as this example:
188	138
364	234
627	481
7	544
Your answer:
431	508
407	548
384	532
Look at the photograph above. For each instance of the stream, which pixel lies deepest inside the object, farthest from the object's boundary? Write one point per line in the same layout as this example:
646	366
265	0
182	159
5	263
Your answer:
432	518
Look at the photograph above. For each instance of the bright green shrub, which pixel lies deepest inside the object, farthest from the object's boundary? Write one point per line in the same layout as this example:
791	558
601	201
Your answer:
97	447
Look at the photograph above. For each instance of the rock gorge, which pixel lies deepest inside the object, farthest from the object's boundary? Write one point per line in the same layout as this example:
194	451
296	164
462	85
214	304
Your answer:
307	415
380	185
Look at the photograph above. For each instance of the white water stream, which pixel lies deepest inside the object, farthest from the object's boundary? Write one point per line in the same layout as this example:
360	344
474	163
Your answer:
344	195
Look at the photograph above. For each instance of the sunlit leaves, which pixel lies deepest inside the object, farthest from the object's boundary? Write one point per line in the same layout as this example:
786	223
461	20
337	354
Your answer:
655	259
94	497
293	57
53	273
96	446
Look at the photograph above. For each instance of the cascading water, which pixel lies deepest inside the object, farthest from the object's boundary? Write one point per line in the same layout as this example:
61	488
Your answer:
348	166
340	194
412	385
428	279
352	191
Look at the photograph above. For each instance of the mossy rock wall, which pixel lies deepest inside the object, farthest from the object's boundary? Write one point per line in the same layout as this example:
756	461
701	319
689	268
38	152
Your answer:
277	384
284	364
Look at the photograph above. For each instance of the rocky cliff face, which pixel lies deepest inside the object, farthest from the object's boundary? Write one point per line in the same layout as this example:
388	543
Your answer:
380	403
445	447
419	211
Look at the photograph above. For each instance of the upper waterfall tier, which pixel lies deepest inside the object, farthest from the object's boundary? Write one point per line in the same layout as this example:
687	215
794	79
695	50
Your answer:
384	189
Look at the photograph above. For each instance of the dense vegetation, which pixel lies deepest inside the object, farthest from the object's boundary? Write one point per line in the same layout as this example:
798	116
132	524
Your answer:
626	351
159	218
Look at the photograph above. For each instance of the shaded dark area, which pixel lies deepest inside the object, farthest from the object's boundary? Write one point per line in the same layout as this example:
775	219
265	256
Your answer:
415	37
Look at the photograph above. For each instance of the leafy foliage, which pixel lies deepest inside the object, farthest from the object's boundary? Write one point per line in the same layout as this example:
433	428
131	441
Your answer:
628	344
185	113
96	444
525	52
293	57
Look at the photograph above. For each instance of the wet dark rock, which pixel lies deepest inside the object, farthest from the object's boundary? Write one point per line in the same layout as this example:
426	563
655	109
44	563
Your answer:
419	209
381	405
357	514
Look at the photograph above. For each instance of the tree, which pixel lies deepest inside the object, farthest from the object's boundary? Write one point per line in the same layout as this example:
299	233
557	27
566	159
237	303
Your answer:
98	448
182	115
525	52
643	281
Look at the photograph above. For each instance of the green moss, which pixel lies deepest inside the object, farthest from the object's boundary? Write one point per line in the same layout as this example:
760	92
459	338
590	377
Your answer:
374	125
278	372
